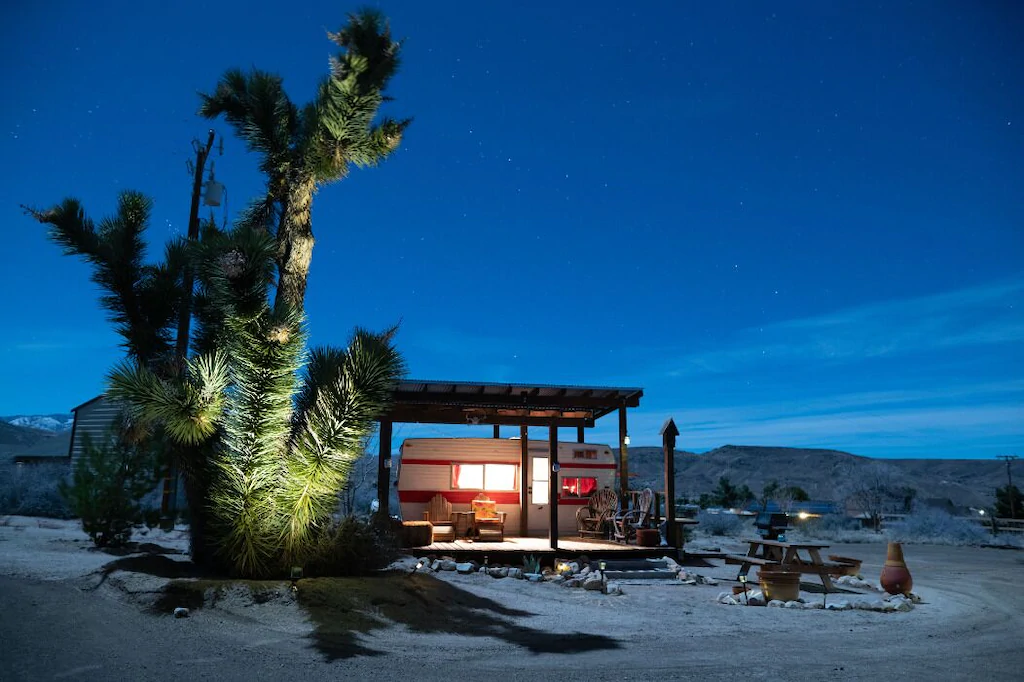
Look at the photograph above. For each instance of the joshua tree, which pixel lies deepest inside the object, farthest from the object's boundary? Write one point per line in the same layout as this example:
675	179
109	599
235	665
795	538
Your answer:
280	448
305	148
264	454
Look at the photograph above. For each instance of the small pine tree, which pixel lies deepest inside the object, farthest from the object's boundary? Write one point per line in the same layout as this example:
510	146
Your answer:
107	488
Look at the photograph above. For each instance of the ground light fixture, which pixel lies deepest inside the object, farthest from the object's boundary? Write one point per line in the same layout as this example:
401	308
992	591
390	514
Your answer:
743	581
602	565
296	574
418	566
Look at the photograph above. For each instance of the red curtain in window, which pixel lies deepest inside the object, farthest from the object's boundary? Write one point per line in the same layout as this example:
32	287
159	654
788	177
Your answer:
456	469
586	486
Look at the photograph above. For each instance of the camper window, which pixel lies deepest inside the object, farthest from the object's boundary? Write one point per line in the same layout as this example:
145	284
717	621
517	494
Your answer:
578	487
484	477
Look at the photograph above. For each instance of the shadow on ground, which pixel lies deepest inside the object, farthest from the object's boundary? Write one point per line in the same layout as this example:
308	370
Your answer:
342	608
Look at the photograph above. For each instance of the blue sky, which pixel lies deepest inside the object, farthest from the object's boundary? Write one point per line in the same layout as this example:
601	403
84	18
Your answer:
790	223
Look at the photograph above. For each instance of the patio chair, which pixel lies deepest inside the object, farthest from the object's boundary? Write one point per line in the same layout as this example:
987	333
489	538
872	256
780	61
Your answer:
490	523
594	520
439	513
626	523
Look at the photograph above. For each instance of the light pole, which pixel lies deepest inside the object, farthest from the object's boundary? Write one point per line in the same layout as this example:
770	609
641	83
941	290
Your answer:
1009	484
185	315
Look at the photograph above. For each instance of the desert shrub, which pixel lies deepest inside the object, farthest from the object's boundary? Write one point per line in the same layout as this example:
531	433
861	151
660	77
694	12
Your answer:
721	524
938	527
33	490
836	528
351	547
107	487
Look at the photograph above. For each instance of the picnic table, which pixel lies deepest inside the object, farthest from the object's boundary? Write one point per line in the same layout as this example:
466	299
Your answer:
787	556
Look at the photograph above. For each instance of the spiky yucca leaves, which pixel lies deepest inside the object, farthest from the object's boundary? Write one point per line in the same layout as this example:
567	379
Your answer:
142	300
275	471
344	391
305	148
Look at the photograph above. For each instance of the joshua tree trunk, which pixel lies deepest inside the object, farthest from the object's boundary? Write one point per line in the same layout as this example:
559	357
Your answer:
295	242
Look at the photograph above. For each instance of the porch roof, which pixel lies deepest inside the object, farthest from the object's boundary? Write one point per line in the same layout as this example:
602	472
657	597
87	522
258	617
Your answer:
462	402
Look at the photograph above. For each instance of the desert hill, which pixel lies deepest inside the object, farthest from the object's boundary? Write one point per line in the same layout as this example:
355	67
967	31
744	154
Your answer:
822	473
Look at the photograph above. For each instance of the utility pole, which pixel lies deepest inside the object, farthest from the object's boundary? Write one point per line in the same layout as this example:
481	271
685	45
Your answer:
185	315
1009	484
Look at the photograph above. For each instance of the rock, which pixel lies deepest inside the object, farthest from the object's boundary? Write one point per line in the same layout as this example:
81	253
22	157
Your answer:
464	568
533	577
839	605
585	571
181	612
514	572
498	572
556	578
593	583
572	582
482	569
755	599
689	581
574	567
614	589
900	603
436	565
448	565
793	604
776	604
814	605
727	599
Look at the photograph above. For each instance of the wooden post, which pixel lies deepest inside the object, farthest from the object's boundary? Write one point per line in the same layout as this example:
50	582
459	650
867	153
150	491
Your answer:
185	314
579	434
623	460
668	446
384	471
524	480
497	431
553	484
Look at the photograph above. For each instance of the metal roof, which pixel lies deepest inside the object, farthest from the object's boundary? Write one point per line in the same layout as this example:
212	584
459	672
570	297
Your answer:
463	402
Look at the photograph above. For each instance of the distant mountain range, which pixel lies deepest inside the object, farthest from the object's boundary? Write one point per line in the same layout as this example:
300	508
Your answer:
823	474
44	422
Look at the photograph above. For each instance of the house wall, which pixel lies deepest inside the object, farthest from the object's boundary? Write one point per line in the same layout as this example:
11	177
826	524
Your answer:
94	418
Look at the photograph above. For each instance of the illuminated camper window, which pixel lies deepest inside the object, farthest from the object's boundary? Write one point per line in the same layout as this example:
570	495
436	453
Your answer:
484	476
578	487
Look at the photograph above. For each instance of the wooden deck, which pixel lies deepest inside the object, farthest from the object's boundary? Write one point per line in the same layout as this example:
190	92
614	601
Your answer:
514	549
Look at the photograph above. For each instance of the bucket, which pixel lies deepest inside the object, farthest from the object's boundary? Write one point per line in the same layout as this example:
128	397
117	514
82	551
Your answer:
781	585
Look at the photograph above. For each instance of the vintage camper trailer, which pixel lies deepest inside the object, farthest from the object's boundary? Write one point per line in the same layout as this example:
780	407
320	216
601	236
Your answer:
462	468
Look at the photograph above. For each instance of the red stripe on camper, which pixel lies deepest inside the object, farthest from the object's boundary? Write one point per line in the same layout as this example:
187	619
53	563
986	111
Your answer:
449	462
456	496
577	465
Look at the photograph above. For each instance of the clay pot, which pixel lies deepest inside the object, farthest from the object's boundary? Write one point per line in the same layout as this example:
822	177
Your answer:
781	585
648	537
895	578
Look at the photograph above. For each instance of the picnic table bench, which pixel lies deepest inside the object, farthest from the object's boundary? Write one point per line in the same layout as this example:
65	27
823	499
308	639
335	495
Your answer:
786	556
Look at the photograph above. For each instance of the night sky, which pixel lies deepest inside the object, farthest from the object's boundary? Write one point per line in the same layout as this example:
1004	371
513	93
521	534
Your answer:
793	223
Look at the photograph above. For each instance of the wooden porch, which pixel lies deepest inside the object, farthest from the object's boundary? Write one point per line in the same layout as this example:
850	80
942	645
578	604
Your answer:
514	549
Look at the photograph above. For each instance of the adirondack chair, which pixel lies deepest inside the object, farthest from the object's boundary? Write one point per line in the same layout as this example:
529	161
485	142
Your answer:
439	513
626	523
594	520
490	523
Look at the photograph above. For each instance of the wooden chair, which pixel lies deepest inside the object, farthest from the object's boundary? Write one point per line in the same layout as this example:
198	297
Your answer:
439	513
490	523
594	520
625	524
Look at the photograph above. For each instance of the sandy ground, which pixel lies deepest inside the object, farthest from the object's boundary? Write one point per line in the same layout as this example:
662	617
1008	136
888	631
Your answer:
71	612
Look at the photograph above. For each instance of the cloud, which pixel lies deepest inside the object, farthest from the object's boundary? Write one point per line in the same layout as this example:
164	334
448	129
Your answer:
991	314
